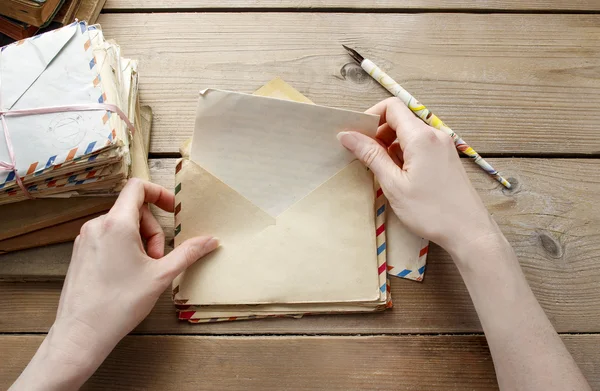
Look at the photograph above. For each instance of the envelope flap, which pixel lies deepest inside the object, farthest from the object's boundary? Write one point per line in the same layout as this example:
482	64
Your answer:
274	152
24	62
207	206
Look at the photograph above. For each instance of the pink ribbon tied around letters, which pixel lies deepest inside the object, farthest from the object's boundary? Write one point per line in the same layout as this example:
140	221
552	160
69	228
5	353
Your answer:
12	166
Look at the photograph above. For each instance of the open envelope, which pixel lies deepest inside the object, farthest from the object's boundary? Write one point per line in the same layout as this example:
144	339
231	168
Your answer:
293	209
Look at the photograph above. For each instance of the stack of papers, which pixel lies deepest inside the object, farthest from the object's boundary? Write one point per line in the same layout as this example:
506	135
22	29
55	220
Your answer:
88	146
301	221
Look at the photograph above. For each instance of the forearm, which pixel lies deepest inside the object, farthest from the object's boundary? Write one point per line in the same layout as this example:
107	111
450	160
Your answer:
67	357
528	354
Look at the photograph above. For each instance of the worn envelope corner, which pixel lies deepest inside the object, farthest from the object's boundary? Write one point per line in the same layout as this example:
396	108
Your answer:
184	148
205	91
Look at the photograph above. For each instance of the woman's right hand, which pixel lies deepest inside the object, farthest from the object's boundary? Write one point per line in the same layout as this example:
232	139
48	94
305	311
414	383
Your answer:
422	177
428	188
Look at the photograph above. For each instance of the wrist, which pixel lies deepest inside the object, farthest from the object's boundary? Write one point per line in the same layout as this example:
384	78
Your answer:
68	356
78	343
58	364
476	249
476	228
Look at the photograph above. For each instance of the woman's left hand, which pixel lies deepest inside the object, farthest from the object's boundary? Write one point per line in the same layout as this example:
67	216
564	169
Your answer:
113	282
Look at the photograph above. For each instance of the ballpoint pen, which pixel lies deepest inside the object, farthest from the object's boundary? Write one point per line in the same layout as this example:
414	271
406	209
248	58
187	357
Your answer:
422	112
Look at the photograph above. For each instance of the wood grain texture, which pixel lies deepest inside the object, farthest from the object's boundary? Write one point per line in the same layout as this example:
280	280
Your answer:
61	233
551	218
579	5
32	215
506	83
296	363
47	263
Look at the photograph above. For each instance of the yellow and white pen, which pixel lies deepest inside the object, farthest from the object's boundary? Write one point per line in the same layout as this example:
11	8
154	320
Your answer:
422	112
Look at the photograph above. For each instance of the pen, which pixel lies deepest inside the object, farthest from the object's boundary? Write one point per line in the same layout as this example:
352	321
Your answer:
422	112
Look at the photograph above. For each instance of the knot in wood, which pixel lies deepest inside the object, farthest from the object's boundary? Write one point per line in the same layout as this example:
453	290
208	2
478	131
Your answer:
156	164
355	73
551	245
515	186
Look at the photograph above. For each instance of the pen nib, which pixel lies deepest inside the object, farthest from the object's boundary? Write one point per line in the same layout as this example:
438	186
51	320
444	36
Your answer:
354	54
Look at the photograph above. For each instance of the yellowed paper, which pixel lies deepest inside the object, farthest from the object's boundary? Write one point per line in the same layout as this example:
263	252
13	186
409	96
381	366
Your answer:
277	88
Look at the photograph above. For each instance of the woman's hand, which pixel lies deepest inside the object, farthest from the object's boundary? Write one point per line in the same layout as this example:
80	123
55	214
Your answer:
422	177
111	286
426	185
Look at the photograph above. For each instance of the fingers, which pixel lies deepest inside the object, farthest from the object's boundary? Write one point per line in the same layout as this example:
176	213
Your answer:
380	109
399	117
137	192
396	154
386	134
186	254
152	232
371	154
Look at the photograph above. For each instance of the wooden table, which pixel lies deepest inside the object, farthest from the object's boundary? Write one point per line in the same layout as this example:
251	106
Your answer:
520	81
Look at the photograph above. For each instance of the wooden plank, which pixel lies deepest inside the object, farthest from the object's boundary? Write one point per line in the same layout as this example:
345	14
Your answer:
508	83
552	219
296	363
544	5
46	263
440	304
60	233
32	215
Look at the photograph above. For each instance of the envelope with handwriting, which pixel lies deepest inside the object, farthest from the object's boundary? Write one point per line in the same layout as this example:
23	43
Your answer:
294	211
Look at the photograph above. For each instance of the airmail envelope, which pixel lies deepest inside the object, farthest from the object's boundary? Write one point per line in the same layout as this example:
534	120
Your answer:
293	209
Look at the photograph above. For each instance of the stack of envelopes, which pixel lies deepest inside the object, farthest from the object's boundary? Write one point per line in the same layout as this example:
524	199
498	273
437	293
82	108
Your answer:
300	220
86	146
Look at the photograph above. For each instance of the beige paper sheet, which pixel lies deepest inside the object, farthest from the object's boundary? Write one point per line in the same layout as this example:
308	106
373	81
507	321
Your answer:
274	152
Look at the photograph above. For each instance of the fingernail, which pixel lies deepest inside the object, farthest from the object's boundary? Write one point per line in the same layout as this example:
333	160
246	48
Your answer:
348	140
212	244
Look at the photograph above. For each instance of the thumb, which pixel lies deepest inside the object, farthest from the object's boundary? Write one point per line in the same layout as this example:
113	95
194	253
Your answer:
370	153
187	253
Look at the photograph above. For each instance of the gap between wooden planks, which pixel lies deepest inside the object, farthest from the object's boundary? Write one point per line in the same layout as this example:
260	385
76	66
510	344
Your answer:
513	83
296	363
359	5
551	218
